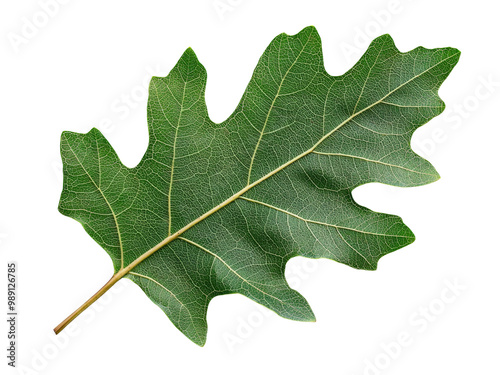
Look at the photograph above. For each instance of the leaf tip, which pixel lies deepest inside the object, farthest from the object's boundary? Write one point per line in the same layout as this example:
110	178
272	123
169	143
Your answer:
201	343
437	176
310	28
309	317
385	40
64	135
189	54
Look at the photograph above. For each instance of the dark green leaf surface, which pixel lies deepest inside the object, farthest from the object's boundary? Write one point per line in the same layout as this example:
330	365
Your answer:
233	202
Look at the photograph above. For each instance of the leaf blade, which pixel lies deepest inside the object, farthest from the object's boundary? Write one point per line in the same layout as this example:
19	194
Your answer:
221	208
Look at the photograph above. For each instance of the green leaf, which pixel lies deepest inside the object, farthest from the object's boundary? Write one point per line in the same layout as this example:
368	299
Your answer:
214	209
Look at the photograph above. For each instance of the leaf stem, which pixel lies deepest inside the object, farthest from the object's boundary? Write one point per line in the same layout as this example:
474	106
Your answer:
117	276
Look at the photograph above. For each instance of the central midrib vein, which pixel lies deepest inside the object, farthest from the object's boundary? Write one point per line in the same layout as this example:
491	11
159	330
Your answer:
235	196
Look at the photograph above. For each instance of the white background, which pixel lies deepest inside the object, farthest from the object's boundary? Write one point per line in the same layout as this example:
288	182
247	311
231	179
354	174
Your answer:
76	70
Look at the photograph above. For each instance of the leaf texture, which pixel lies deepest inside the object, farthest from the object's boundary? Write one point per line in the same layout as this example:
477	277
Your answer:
214	209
